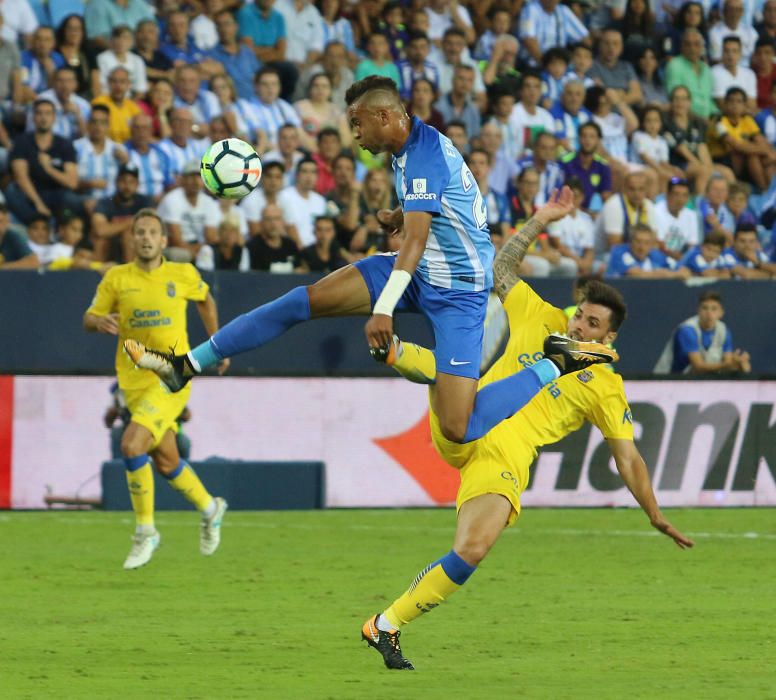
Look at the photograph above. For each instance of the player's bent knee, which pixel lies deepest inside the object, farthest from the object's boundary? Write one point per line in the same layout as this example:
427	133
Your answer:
454	430
132	446
473	549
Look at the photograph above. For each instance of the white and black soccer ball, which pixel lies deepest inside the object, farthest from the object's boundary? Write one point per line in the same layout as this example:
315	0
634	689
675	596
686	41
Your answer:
230	169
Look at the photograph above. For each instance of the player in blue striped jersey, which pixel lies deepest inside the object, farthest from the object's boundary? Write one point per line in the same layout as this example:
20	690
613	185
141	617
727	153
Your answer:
443	270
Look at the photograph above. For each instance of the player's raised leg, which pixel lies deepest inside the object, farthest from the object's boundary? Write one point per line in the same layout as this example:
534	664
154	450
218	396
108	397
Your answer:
480	522
135	444
342	293
182	477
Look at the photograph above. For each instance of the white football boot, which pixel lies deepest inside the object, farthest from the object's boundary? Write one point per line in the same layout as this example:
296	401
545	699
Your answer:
143	548
210	528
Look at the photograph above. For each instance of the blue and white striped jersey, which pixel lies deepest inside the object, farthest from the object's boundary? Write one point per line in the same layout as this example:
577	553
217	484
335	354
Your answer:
270	117
97	166
193	149
153	168
430	175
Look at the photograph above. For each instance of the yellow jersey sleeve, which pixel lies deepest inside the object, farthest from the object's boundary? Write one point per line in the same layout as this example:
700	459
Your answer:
523	303
193	287
612	414
106	299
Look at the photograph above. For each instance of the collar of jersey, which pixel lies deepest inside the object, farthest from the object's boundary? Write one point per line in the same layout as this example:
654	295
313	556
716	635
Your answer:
152	272
416	124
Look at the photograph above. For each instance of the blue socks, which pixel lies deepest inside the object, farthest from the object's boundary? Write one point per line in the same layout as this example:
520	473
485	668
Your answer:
457	570
502	399
254	329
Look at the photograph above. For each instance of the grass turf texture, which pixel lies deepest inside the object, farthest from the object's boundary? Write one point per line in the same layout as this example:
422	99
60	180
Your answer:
570	604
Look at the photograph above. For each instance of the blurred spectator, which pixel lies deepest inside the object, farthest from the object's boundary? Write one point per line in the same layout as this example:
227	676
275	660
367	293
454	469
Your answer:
72	111
738	204
766	29
731	24
500	74
263	30
712	209
192	217
456	132
650	148
637	28
269	248
581	63
378	61
329	147
227	252
71	44
181	147
685	135
611	72
736	140
301	204
528	118
547	23
691	15
512	136
18	21
270	112
158	105
271	186
689	70
764	71
40	62
376	194
676	225
591	169
732	73
147	46
287	153
623	211
318	112
570	114
573	235
706	260
500	165
111	224
703	344
337	28
120	54
497	205
499	24
641	258
417	65
421	104
542	159
457	104
745	258
555	63
235	113
203	25
103	16
392	25
343	203
44	169
178	46
325	254
151	161
122	109
11	88
238	60
39	239
650	79
334	64
453	47
447	14
189	93
304	30
15	251
98	158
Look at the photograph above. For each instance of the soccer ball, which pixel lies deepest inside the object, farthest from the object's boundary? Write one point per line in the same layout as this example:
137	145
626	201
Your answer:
230	169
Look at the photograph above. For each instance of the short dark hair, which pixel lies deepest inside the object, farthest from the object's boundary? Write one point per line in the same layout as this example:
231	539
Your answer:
326	217
43	101
481	151
100	108
575	184
641	228
715	238
556	53
530	73
764	43
592	125
120	29
732	38
371	82
266	69
453	31
675	182
418	36
346	156
710	295
745	227
458	123
38	217
66	69
597	292
735	91
305	161
328	131
274	164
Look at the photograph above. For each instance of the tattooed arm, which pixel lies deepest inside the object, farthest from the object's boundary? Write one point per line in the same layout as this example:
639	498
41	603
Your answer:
507	262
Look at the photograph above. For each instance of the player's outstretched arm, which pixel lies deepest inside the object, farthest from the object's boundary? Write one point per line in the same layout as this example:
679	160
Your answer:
634	473
208	312
507	262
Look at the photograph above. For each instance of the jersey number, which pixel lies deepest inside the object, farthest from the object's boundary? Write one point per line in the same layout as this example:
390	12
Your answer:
479	210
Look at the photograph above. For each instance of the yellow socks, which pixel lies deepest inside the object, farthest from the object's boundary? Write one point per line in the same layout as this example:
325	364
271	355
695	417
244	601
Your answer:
140	479
416	363
186	482
432	586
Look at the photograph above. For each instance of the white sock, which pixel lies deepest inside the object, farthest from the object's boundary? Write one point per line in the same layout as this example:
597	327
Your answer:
210	509
145	530
383	625
192	360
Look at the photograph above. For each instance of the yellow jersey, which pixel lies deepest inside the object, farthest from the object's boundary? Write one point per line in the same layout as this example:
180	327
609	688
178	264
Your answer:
595	394
745	130
151	308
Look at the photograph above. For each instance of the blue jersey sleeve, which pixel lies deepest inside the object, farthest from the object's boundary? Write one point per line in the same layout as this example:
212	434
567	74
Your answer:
426	176
687	340
689	260
620	261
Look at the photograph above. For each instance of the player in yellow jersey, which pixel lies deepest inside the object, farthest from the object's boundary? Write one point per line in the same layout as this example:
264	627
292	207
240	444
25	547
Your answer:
147	299
495	469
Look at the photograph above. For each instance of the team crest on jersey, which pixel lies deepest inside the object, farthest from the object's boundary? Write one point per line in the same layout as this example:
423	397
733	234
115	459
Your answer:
585	376
419	185
171	289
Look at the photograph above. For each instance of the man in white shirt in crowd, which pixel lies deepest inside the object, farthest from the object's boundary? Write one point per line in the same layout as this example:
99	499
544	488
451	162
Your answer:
500	165
453	45
304	31
72	111
192	217
272	184
545	24
573	235
446	14
203	104
623	211
301	204
529	119
181	147
730	73
732	24
287	153
676	226
98	159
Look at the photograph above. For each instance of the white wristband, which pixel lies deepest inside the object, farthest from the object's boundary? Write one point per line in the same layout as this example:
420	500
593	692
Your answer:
392	292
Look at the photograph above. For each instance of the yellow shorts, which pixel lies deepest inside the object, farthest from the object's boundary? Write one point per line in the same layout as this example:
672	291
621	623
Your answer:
157	409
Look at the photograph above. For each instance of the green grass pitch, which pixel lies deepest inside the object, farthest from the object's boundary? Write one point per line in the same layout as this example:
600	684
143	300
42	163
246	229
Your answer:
570	604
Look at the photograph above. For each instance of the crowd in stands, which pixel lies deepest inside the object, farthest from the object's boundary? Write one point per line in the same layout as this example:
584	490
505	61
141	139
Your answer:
660	116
